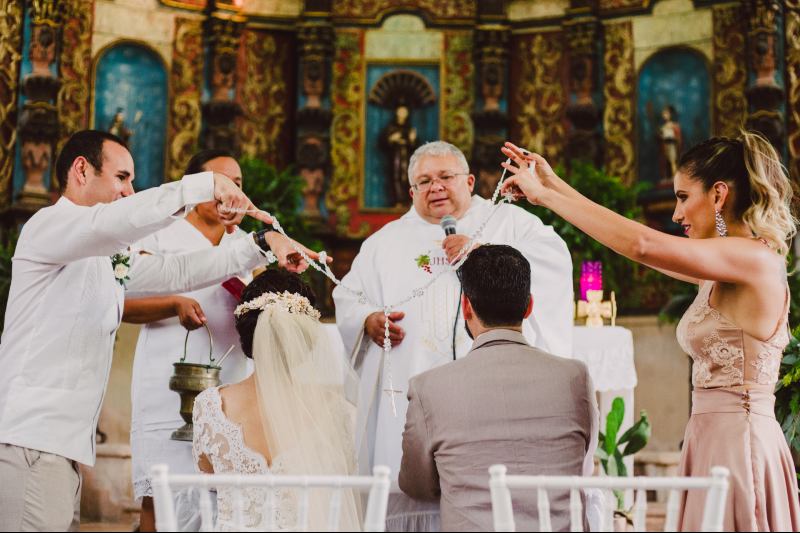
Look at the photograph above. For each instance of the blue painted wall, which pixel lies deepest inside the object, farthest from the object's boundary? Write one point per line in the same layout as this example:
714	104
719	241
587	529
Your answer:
133	78
677	77
425	120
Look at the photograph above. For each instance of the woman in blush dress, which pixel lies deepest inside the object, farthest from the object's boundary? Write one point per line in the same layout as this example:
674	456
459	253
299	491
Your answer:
733	202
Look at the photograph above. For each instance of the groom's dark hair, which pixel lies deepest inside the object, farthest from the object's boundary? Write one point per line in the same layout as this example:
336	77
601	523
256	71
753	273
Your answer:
497	281
272	280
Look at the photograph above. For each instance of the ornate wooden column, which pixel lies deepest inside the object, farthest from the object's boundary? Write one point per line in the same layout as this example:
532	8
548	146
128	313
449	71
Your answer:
314	114
764	94
584	33
11	20
223	35
490	119
39	125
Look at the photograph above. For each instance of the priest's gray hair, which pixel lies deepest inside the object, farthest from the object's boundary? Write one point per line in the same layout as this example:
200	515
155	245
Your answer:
436	149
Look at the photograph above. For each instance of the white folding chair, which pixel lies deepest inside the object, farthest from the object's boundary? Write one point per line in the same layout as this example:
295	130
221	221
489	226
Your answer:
374	519
500	484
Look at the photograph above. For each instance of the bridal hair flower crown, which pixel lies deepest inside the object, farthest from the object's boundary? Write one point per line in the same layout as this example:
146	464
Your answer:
285	301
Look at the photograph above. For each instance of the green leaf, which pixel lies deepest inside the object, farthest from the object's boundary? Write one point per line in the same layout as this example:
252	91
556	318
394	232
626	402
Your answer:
613	422
637	436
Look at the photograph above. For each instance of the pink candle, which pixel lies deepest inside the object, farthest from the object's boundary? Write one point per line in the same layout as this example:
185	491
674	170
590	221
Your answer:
591	277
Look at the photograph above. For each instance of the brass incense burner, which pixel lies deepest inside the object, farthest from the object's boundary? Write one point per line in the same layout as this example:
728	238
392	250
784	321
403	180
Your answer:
189	380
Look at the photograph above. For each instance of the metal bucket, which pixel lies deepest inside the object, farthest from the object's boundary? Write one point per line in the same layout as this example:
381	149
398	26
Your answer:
189	380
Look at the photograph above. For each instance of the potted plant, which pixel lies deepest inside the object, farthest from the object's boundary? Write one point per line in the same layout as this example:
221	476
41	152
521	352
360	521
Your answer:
612	449
787	394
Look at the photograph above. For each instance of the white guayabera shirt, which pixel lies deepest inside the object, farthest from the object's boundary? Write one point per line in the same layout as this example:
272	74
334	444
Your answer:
65	305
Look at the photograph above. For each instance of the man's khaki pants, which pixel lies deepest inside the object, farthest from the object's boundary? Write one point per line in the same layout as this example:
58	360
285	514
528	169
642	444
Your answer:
39	491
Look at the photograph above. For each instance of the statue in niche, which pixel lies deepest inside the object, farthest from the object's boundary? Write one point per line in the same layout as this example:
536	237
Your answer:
399	140
401	91
670	140
119	128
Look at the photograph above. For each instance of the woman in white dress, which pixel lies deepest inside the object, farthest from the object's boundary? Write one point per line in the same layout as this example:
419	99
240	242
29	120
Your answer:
155	413
289	417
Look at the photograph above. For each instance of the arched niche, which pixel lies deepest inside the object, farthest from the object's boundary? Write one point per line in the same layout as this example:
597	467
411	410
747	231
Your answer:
677	80
131	98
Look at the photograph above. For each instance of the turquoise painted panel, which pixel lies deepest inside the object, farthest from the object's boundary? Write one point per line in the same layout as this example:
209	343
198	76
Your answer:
426	120
679	78
131	80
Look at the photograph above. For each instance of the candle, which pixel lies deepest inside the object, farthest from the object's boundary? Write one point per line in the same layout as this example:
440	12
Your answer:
591	277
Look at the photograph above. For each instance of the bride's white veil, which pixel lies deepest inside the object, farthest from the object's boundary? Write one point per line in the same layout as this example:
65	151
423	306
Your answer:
305	415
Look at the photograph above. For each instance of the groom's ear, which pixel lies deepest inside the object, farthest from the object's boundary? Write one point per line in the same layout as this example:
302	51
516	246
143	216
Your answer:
466	308
529	310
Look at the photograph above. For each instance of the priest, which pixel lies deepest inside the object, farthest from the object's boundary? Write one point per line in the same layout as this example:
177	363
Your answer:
428	330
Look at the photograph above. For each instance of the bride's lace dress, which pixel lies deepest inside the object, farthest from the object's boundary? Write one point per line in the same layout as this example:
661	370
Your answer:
222	442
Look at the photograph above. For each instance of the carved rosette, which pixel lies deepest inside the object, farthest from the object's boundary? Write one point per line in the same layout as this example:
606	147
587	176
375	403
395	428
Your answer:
264	96
346	142
458	97
730	73
74	67
11	18
186	80
619	101
793	85
539	95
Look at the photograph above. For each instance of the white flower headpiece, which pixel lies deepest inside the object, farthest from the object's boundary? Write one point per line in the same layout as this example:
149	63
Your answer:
285	301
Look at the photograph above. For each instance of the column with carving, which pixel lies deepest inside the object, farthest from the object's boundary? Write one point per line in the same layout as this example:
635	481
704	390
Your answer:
38	125
314	114
764	94
223	34
583	31
11	20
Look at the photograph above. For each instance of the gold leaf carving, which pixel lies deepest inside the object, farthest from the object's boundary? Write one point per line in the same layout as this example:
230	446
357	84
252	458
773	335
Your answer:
10	56
74	68
186	76
619	101
793	85
374	9
730	74
459	92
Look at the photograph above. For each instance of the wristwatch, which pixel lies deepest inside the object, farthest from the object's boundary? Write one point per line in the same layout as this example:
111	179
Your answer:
261	239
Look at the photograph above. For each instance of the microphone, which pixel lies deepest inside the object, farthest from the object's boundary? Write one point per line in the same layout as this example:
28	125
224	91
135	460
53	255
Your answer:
448	224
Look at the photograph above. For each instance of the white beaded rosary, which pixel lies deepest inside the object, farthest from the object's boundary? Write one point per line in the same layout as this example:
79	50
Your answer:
322	266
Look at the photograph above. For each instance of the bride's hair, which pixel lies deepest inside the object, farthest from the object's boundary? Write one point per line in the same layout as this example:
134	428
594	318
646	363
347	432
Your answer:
272	280
298	376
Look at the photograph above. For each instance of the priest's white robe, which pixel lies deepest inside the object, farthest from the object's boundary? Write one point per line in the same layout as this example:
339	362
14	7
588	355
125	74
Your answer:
390	265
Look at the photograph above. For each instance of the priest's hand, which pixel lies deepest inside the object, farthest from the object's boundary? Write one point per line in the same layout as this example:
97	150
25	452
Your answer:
189	312
375	326
453	245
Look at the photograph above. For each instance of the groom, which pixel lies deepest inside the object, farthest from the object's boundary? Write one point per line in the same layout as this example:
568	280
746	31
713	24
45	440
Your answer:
65	305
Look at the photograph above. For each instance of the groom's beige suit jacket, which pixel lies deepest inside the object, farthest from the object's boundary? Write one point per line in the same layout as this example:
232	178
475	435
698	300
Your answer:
505	402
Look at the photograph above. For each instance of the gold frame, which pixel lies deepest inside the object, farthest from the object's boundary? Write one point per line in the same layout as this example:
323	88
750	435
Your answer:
93	84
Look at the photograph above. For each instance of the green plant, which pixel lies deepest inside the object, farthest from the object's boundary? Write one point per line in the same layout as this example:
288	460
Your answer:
787	392
609	447
637	287
279	192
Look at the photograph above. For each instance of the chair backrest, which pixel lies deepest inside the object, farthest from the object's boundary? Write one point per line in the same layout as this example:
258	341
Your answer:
500	485
164	483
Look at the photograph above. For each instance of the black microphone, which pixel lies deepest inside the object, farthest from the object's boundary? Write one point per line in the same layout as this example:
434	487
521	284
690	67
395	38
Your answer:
448	224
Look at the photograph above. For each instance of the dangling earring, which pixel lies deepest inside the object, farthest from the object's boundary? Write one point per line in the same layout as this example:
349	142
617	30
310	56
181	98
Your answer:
722	227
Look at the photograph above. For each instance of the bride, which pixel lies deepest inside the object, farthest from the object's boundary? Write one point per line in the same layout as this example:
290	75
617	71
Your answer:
302	423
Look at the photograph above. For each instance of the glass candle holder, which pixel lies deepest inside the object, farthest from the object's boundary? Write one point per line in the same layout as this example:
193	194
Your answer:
591	277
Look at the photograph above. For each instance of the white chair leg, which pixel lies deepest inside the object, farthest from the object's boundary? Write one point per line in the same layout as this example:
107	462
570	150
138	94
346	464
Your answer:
502	510
164	505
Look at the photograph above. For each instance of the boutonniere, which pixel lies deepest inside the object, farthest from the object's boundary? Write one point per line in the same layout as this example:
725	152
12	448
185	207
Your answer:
121	263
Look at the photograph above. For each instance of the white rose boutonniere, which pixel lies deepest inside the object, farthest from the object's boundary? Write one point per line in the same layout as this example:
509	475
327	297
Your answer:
121	263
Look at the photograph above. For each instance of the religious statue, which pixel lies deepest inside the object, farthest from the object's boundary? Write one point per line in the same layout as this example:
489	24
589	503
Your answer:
399	140
669	135
118	126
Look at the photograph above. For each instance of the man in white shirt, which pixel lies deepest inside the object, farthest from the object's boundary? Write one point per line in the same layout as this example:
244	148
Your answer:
428	331
65	305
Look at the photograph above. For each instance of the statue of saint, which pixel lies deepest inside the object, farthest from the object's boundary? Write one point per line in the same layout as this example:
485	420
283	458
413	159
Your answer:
399	140
119	128
669	135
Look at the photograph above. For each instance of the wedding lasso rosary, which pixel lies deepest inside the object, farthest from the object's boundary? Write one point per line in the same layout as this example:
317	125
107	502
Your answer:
322	266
